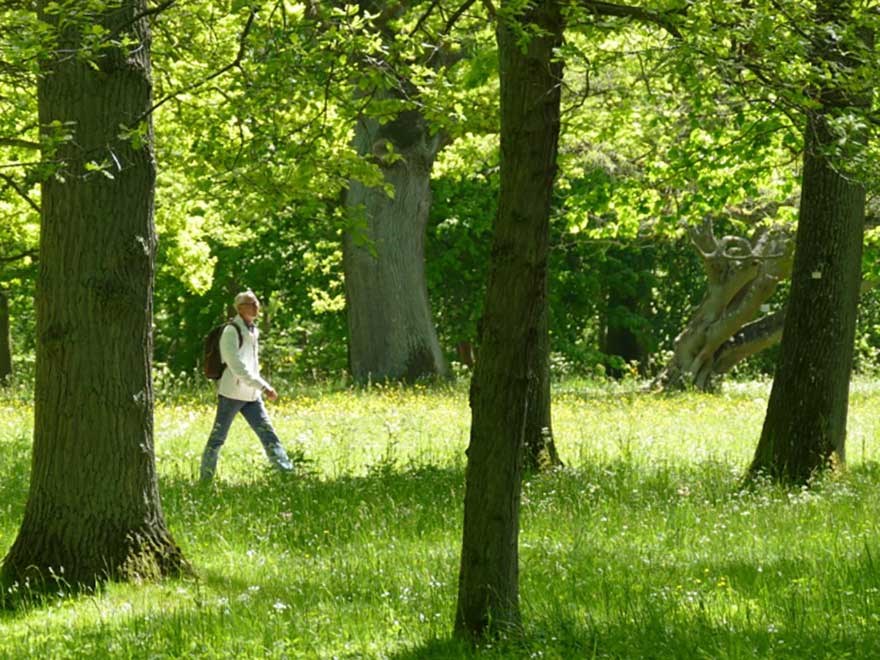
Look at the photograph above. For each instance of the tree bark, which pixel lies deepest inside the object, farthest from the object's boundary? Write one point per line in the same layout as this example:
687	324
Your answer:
5	339
93	510
752	338
540	448
508	370
805	423
390	329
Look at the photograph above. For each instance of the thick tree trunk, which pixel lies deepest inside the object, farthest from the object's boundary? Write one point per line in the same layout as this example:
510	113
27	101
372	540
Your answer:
5	339
390	329
507	372
742	275
93	510
805	423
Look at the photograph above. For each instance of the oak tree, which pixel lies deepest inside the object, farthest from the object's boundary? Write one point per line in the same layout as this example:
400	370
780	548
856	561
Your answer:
93	510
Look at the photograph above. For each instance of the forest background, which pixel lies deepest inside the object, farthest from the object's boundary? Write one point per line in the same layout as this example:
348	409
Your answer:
257	151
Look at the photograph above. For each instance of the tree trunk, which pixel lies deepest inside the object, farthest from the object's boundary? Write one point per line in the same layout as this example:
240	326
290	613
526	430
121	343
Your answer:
742	275
805	423
93	510
627	304
540	448
619	340
390	330
5	339
508	370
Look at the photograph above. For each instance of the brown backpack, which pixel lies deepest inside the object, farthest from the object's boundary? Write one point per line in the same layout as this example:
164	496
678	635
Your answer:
213	365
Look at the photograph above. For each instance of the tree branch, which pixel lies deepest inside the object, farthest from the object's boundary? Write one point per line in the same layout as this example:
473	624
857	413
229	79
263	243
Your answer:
703	238
456	15
490	9
27	253
640	14
17	142
158	9
144	14
424	17
752	338
21	193
238	58
735	247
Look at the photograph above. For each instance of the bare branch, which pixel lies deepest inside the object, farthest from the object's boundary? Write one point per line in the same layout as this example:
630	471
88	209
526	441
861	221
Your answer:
144	14
752	338
158	9
741	245
703	238
7	166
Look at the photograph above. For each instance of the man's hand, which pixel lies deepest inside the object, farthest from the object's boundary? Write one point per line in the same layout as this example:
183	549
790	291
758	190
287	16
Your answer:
270	393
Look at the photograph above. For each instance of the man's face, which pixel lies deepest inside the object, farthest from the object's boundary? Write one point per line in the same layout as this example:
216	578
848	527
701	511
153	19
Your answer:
249	311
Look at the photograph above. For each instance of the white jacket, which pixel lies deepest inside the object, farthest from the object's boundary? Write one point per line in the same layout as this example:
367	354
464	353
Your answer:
241	378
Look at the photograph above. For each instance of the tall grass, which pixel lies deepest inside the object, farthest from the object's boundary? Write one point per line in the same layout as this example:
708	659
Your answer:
644	545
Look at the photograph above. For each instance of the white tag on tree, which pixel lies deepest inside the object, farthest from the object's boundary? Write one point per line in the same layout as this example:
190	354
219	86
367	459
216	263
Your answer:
817	274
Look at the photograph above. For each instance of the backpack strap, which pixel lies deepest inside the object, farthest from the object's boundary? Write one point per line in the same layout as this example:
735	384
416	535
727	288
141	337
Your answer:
238	332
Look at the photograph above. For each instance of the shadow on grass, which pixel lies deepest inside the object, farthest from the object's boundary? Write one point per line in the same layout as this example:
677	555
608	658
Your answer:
211	631
437	649
569	623
423	504
310	513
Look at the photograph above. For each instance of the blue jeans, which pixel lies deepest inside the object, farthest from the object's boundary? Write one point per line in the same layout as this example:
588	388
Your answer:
255	414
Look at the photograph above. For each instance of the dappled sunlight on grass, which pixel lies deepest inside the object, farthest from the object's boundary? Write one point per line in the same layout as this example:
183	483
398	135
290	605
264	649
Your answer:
645	544
341	434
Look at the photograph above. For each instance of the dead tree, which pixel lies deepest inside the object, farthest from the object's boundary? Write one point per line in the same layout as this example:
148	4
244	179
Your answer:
725	328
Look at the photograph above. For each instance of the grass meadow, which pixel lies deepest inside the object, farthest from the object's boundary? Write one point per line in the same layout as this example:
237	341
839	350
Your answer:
643	546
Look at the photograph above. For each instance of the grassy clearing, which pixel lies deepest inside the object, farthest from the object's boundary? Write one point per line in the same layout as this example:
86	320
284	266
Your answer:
644	546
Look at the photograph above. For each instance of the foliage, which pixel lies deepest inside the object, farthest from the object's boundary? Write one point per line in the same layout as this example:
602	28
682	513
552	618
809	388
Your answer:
254	117
20	42
270	157
457	252
644	546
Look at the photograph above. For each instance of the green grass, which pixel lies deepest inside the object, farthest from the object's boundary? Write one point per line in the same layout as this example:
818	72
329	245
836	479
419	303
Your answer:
643	546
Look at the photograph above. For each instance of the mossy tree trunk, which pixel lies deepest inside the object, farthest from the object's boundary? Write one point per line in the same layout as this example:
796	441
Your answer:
508	370
806	416
93	510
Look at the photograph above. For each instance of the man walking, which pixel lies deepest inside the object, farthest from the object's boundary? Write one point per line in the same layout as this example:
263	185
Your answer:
241	389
